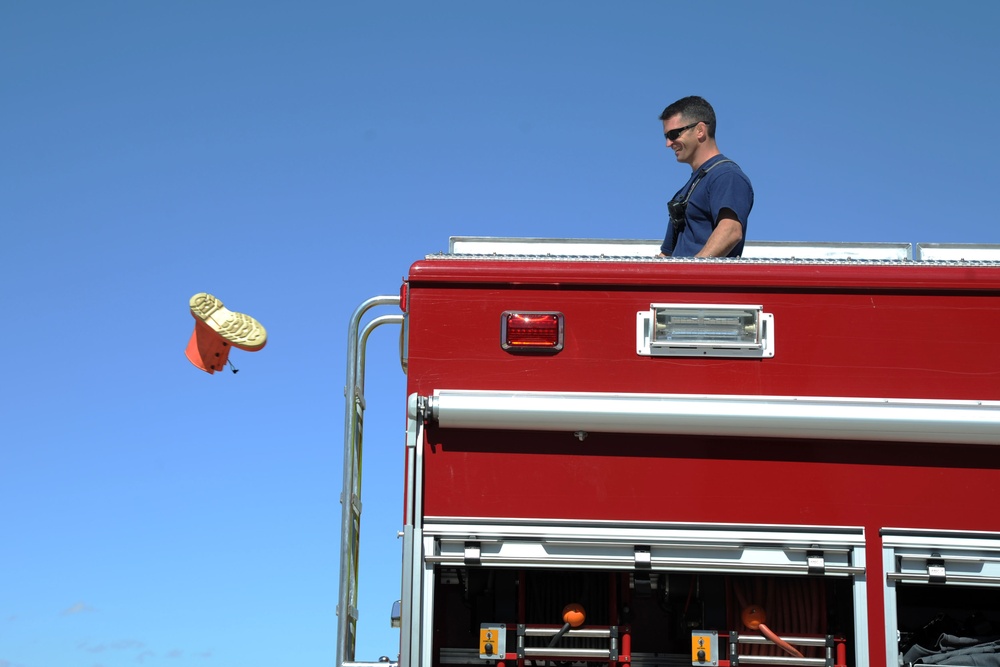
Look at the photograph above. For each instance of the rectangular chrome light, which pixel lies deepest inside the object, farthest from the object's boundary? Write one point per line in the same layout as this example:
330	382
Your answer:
704	330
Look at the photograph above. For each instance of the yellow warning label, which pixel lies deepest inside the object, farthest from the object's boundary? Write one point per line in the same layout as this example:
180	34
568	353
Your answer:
486	636
491	640
701	649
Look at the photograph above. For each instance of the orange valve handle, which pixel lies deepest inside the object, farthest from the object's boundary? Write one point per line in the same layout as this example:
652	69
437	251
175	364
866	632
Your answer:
574	616
753	617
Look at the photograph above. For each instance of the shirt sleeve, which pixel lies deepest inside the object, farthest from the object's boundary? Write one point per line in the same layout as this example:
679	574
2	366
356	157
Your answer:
731	189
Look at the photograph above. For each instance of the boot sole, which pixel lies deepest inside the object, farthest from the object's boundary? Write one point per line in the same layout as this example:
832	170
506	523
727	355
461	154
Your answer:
242	331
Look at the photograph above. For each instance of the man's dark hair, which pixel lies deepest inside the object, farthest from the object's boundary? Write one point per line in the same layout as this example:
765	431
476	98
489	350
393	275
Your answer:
692	109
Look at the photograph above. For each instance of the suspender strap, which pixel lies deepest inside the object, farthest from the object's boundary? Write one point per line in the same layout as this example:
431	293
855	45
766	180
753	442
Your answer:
701	175
678	228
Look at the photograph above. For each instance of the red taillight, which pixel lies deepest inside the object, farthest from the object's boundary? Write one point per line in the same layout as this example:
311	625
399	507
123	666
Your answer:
531	331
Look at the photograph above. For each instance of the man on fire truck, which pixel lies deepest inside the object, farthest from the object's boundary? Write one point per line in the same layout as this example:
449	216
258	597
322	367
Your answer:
708	216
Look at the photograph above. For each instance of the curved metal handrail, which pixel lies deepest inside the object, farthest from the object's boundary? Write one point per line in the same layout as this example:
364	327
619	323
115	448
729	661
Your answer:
350	497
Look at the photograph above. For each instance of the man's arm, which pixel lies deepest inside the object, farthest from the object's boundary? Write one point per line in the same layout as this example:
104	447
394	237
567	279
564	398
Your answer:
727	233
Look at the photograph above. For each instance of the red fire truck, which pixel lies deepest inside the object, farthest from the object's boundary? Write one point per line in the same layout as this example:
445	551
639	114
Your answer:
786	459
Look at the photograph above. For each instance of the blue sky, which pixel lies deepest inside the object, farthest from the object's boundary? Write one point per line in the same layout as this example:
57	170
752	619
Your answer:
294	159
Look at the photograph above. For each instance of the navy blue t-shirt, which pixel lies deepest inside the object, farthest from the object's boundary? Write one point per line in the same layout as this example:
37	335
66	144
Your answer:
725	186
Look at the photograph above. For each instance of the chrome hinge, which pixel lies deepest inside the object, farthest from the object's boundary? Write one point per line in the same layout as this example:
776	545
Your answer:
816	562
473	553
936	573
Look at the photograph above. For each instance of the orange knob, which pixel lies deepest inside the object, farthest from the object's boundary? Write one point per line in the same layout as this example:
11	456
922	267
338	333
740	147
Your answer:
753	616
574	614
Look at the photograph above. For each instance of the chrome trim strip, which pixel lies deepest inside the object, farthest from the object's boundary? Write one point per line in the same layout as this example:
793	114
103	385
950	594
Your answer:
810	417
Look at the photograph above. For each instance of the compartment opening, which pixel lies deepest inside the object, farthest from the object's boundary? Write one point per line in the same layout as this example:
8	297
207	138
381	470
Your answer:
652	615
936	622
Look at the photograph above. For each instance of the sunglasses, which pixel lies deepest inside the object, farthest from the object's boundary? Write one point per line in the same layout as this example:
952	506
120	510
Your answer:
673	135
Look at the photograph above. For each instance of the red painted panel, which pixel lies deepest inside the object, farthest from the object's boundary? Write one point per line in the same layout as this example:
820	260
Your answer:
910	345
687	479
924	331
713	274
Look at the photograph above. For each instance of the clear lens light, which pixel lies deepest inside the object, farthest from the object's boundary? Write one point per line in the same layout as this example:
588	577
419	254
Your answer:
705	325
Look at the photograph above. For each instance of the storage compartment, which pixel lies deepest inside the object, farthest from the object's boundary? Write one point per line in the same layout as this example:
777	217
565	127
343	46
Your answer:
645	595
942	597
935	620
